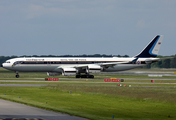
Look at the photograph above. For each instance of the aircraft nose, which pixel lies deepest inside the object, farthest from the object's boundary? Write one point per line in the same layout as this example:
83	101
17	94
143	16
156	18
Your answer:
1	65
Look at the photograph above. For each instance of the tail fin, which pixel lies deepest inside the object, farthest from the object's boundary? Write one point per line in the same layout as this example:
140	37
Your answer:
152	49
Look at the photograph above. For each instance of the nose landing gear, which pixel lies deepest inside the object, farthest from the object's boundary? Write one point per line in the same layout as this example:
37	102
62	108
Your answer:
17	75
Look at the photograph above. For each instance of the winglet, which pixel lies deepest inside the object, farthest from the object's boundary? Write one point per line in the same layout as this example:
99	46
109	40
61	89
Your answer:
152	49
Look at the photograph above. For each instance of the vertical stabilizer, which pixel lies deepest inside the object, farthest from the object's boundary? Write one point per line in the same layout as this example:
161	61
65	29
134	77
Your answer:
152	49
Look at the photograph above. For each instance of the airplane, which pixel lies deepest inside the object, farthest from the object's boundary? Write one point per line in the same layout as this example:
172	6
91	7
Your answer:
83	67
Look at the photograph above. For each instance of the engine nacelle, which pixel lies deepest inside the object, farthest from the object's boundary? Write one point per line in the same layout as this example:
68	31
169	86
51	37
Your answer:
148	61
53	73
94	68
69	72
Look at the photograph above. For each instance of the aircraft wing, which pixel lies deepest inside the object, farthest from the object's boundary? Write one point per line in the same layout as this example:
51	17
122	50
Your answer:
85	66
110	64
166	58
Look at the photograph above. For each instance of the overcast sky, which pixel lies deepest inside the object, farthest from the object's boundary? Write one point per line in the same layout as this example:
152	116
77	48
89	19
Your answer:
76	27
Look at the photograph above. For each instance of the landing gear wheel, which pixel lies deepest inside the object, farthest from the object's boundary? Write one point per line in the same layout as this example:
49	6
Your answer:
91	76
87	76
83	76
78	76
17	76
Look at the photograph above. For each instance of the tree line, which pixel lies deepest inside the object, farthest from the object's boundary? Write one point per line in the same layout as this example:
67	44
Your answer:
164	63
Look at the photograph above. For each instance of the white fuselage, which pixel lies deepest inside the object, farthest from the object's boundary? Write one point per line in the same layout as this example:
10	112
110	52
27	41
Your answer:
39	64
77	65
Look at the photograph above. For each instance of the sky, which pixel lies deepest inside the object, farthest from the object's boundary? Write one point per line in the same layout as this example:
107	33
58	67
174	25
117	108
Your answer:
77	27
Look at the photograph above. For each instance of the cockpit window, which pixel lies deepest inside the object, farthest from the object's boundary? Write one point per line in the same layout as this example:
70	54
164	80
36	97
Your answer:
7	61
17	62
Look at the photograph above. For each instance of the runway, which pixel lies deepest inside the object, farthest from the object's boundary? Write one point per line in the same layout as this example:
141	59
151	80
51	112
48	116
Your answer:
13	110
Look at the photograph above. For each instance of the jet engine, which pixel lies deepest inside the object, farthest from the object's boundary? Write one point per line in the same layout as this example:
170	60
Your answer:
148	61
53	73
69	71
94	68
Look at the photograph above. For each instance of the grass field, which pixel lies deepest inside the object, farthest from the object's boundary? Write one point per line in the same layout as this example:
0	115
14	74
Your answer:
95	99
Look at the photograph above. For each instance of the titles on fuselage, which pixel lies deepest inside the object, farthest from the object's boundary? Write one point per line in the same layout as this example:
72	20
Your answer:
73	59
35	59
60	60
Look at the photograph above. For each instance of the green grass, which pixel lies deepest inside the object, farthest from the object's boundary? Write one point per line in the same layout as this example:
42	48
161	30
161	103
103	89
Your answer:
96	104
94	98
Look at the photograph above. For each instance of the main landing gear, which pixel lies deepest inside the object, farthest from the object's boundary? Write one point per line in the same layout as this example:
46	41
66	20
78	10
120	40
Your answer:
85	76
17	75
